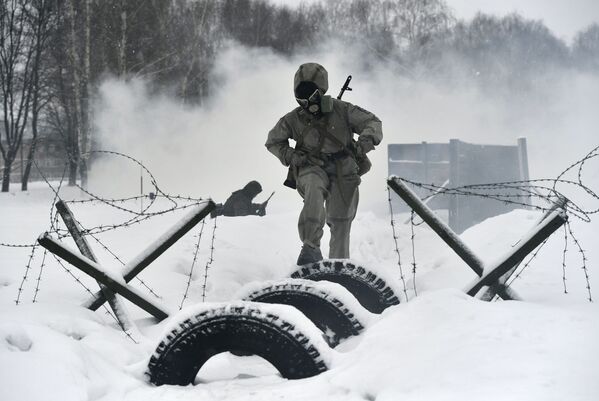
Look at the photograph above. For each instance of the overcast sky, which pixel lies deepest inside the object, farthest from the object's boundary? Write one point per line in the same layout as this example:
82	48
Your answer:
564	17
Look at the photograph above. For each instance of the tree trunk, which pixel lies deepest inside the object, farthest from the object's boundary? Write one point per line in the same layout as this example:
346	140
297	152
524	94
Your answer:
30	156
6	173
16	50
76	92
122	59
85	138
34	120
41	34
72	172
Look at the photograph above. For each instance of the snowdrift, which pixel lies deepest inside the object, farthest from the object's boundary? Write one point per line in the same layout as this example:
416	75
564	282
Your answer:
440	345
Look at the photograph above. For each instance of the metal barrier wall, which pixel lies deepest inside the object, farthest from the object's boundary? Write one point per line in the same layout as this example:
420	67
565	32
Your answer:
457	164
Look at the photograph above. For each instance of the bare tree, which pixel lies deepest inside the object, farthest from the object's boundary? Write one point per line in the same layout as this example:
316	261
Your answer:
512	52
75	82
40	17
70	77
200	37
585	49
84	93
418	21
16	59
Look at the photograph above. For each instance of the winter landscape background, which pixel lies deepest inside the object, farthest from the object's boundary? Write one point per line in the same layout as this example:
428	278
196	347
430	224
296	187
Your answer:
440	344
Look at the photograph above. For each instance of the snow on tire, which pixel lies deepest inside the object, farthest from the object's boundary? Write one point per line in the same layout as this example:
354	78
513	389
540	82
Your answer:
278	333
331	307
372	291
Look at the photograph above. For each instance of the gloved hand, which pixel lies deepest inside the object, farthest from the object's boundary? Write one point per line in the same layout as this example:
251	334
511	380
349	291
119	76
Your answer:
365	144
297	159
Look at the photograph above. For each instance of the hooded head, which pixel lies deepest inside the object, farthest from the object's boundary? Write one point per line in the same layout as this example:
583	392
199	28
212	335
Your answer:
311	72
252	188
310	83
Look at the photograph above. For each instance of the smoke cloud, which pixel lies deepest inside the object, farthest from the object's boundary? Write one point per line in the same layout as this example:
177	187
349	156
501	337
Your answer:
216	148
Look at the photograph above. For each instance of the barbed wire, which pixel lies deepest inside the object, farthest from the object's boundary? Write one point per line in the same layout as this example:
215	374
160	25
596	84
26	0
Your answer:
519	272
75	277
526	190
395	240
55	224
138	216
583	260
39	276
564	253
413	241
176	202
26	274
90	292
193	263
56	196
209	262
110	252
544	189
521	193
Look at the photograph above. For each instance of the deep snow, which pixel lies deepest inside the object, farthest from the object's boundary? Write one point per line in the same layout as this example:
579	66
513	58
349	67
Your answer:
441	345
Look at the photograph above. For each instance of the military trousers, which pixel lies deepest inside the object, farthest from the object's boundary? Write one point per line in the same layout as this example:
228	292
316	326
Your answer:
330	194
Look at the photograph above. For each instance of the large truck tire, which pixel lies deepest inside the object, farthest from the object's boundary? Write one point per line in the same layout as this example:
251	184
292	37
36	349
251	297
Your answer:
278	333
370	290
331	307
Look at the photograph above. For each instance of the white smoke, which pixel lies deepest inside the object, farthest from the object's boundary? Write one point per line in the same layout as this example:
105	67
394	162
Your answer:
217	148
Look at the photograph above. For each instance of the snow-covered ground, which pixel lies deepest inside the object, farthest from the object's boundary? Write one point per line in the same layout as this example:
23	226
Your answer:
441	345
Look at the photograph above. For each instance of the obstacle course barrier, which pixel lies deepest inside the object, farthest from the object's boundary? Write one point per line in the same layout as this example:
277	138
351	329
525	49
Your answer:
86	263
492	278
293	323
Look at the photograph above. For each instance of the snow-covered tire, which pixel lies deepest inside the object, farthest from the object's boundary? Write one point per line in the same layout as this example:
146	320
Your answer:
370	290
332	308
278	333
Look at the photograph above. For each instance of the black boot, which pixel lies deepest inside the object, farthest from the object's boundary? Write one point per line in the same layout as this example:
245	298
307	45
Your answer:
309	254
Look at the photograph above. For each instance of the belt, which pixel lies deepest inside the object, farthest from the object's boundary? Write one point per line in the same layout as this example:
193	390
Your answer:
334	156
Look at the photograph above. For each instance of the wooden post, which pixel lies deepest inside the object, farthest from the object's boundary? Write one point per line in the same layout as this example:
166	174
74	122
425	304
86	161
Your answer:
69	220
524	247
499	285
445	232
438	226
91	268
157	248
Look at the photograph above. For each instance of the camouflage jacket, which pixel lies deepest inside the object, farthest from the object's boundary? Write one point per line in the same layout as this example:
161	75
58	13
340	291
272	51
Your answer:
307	131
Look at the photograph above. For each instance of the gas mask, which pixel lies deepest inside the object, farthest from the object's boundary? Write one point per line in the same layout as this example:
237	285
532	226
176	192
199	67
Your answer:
316	103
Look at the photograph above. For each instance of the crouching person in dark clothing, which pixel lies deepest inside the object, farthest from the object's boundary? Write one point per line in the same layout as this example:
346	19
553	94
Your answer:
240	203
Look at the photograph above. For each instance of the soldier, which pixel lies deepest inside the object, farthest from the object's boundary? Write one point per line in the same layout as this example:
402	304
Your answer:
327	162
240	202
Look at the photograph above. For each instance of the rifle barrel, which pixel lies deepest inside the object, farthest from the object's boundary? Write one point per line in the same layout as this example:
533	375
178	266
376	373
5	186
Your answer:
345	87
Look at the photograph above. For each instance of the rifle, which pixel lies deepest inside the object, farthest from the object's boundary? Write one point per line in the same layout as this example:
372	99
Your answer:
290	180
262	207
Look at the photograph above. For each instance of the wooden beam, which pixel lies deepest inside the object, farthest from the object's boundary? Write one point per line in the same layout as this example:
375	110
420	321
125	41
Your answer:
120	312
523	248
499	287
94	270
157	248
438	226
444	231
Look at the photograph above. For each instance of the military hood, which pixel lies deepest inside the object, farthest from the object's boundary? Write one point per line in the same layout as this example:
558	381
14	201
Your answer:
252	188
312	72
